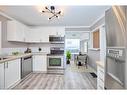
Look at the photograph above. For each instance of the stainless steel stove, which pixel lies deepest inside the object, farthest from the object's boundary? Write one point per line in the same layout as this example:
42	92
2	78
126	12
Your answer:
56	58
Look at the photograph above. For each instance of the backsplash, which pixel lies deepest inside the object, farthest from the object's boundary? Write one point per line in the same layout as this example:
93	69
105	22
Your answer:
10	50
21	50
43	49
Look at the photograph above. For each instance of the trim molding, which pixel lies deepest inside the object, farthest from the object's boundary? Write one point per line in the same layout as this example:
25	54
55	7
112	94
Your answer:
77	26
8	17
103	15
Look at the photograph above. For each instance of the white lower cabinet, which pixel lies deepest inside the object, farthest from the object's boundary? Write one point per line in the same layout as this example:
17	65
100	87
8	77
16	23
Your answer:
40	63
12	72
1	75
100	78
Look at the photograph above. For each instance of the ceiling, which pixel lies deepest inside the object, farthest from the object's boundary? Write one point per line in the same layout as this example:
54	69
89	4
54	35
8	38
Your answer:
72	15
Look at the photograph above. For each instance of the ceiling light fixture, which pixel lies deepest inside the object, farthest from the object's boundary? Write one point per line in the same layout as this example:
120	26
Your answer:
51	10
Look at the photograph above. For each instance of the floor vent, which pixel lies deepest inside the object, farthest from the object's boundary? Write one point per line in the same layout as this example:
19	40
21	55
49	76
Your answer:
93	75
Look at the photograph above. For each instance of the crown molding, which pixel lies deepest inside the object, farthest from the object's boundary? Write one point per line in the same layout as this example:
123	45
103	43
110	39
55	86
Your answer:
103	15
6	16
77	26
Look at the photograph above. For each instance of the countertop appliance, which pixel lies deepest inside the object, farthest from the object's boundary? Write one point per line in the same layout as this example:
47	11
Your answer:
54	39
26	66
28	50
115	55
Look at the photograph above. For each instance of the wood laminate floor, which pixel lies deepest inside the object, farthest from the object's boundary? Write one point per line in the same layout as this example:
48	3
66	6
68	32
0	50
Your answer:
69	80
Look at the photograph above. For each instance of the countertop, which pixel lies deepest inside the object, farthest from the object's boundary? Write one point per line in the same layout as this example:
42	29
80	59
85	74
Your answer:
13	57
99	63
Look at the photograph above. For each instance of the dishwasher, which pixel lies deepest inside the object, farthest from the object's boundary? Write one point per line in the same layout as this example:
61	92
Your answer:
26	66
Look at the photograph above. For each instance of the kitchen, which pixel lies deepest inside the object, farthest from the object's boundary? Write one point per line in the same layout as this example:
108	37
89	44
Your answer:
32	50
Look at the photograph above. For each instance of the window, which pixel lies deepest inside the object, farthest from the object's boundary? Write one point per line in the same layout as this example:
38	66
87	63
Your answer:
85	47
72	45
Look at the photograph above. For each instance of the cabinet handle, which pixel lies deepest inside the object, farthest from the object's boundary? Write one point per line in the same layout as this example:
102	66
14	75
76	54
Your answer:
4	65
7	64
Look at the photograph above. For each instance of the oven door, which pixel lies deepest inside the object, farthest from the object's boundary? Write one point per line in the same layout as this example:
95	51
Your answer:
55	62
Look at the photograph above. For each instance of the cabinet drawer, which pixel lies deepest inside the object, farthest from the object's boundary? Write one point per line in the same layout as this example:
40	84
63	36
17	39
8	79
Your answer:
100	87
100	84
101	75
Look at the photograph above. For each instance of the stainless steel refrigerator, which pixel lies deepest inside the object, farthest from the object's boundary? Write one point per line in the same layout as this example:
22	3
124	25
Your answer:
115	23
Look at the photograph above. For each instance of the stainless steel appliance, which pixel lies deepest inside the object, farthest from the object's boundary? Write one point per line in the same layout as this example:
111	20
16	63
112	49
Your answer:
115	55
26	66
55	61
56	39
56	58
115	68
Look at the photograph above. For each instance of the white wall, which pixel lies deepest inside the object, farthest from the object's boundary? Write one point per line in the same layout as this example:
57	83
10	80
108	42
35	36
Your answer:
97	54
103	45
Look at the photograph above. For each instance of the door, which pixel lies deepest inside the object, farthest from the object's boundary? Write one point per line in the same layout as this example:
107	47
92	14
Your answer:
12	72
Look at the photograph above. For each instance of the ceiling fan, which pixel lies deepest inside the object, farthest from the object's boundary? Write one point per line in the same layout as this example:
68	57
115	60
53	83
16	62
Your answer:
51	10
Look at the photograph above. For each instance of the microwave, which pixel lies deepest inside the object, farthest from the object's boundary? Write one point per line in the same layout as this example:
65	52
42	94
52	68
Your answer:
56	39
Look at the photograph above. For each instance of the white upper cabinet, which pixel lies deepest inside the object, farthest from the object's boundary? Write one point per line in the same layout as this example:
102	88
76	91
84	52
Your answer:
15	31
60	31
31	36
41	34
37	35
56	31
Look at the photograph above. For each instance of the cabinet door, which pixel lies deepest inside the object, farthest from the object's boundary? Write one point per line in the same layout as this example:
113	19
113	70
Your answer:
11	31
44	63
100	78
2	76
39	63
12	72
44	34
60	31
15	31
33	35
20	32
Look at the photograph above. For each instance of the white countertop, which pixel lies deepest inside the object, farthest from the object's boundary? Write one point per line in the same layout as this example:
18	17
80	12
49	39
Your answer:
99	63
13	57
